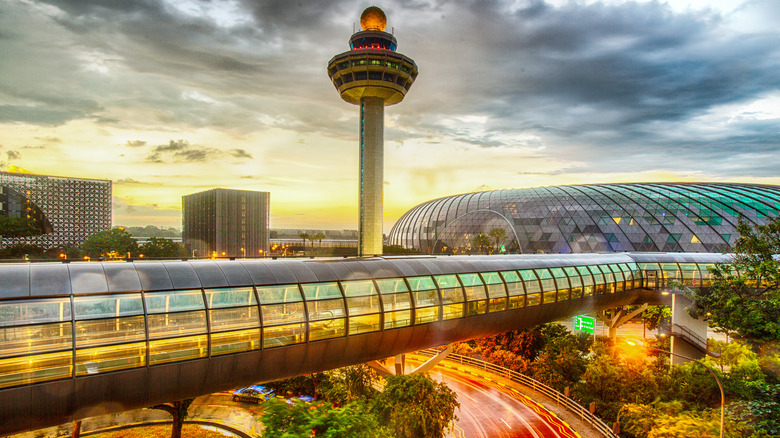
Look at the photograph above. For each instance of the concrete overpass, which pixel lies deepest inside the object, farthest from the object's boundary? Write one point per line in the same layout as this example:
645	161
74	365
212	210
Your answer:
84	339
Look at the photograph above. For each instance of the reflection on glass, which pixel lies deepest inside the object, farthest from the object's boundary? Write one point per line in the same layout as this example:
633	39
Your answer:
396	301
234	342
31	369
92	333
452	311
105	359
426	315
358	288
33	339
533	299
364	324
391	285
176	324
325	309
319	291
283	335
34	311
274	314
173	300
333	328
363	305
398	319
178	349
279	294
106	306
230	297
234	319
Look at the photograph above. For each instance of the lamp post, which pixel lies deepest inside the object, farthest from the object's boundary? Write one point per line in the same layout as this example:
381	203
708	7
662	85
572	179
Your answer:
637	342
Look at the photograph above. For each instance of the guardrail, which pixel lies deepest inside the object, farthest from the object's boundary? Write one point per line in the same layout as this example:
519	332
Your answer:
524	380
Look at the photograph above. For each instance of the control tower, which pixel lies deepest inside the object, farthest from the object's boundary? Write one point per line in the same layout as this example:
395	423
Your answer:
372	74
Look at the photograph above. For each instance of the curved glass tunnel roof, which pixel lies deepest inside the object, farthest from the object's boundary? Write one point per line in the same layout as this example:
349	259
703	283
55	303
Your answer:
675	217
79	329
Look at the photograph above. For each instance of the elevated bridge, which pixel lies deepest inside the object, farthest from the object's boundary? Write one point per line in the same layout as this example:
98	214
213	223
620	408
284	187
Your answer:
85	339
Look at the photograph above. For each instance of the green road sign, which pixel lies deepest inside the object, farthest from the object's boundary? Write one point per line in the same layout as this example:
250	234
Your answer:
584	323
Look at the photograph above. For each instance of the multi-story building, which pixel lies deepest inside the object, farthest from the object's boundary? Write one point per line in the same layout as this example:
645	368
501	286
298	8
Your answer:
59	210
226	223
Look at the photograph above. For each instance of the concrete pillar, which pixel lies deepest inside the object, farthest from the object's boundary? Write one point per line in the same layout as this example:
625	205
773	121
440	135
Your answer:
372	114
686	331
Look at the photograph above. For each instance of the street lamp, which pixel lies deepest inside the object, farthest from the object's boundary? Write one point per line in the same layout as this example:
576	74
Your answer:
637	342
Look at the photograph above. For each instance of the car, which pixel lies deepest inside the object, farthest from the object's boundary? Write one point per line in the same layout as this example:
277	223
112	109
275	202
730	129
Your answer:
304	398
252	394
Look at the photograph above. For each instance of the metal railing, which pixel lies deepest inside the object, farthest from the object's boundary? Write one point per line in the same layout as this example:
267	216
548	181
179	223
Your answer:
574	407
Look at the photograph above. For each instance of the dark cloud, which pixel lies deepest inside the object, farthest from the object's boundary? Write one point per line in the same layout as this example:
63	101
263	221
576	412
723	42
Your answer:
13	155
240	153
183	151
135	143
128	181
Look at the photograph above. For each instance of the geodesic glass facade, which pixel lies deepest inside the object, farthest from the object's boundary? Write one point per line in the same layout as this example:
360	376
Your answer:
667	217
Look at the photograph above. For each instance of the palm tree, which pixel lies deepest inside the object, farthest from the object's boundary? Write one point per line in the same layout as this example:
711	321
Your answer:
481	242
303	237
498	234
319	236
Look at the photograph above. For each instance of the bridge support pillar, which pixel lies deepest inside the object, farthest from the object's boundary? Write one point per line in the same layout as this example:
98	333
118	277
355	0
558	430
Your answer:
689	335
400	364
432	362
618	317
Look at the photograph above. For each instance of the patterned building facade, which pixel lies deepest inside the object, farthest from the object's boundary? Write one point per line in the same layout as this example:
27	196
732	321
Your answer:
65	210
226	223
666	217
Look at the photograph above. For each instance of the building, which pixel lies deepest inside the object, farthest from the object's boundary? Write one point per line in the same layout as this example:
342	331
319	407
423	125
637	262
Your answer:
60	210
372	74
666	217
226	223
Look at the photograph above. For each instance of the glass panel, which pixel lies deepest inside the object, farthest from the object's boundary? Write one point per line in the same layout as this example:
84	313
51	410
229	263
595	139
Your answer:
176	324
230	297
497	305
421	283
364	324
34	311
234	319
175	350
109	331
391	285
283	313
105	359
31	369
398	319
279	294
446	281
106	306
358	288
598	277
587	279
530	281
476	307
33	339
470	279
510	276
706	274
533	300
497	290
452	311
516	302
491	277
573	276
363	305
333	328
557	272
426	298
283	335
320	291
174	300
234	342
426	315
325	309
451	295
618	272
396	301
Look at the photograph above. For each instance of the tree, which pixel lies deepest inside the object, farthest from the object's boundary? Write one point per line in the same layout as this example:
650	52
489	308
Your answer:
17	227
159	247
747	302
304	237
19	250
481	242
351	384
498	234
416	406
318	237
115	240
320	419
178	411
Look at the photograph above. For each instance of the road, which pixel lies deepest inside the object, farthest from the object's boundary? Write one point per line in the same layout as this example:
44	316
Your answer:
488	410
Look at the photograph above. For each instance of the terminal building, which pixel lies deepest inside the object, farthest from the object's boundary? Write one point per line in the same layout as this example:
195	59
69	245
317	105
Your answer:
226	223
59	210
656	217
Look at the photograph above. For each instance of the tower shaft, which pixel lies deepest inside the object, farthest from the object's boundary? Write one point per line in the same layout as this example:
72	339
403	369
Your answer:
372	113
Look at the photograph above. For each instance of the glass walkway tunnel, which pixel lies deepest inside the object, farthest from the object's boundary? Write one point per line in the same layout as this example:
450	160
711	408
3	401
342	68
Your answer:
83	339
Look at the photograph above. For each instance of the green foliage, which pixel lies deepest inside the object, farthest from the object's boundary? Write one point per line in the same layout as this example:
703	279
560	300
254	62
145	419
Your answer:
561	363
115	240
655	316
19	250
310	384
667	420
749	303
17	227
321	419
480	243
416	406
158	247
153	231
498	234
351	384
398	249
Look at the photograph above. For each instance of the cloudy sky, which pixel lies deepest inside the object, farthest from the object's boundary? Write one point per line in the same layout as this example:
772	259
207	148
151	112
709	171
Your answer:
170	97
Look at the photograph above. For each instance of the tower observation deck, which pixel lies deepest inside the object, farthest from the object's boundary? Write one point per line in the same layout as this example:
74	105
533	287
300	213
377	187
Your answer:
372	74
